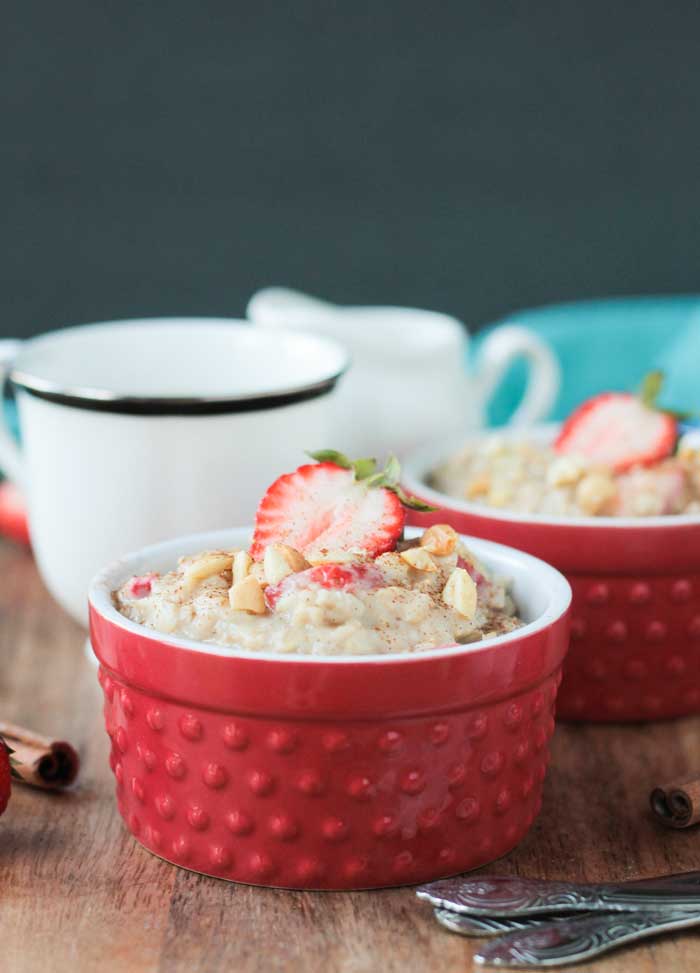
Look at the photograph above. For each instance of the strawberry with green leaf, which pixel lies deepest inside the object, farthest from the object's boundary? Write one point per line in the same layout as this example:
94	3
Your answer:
622	430
334	504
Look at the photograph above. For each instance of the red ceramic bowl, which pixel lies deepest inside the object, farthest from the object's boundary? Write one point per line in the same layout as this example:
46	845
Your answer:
635	633
332	773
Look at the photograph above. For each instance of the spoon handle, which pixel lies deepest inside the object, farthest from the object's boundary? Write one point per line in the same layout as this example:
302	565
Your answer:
511	896
578	939
482	926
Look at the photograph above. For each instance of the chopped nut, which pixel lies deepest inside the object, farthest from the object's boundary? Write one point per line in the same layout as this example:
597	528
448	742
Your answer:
689	446
440	540
495	445
242	562
460	593
419	559
646	504
205	567
394	568
565	471
247	596
500	496
478	486
257	571
595	492
282	560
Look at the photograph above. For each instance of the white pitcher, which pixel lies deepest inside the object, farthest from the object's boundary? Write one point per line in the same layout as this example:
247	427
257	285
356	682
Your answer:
407	383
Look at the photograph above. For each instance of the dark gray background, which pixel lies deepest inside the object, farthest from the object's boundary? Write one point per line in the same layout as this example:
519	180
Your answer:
470	157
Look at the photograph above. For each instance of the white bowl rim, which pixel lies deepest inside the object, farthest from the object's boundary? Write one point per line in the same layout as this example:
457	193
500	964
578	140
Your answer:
419	462
116	573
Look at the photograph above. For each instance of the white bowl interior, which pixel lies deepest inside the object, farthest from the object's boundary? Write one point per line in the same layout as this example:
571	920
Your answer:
418	465
541	593
212	358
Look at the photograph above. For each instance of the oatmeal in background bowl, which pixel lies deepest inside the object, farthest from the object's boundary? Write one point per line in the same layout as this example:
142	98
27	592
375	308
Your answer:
617	455
531	477
611	499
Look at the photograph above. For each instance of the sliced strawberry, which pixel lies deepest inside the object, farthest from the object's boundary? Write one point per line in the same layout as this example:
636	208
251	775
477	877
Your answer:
617	429
140	586
13	515
334	575
471	569
322	507
339	577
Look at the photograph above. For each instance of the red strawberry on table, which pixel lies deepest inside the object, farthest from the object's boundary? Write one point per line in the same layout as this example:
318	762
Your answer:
334	504
620	430
5	774
13	516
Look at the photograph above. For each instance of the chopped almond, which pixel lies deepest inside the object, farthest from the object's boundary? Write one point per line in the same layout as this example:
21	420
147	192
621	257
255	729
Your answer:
478	486
460	593
242	562
419	559
247	596
205	567
595	493
565	471
281	560
440	540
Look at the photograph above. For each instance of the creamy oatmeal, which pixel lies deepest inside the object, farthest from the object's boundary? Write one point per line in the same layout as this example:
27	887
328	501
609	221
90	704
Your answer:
427	593
532	477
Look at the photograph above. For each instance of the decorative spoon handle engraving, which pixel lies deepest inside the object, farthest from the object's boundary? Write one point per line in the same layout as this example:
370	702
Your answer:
578	939
481	926
511	896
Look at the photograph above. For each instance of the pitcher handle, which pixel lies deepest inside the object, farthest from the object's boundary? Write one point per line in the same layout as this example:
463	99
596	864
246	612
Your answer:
11	461
499	350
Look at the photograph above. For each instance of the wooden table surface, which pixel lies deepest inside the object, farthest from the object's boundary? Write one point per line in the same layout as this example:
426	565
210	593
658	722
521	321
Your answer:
78	893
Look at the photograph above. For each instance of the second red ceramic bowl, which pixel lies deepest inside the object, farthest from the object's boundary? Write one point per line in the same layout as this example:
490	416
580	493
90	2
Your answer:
635	631
333	772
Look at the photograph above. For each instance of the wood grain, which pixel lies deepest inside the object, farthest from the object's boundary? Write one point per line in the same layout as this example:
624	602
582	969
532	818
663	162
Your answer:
76	892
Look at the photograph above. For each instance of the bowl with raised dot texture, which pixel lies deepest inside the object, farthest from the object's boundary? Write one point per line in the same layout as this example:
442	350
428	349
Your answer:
330	772
635	630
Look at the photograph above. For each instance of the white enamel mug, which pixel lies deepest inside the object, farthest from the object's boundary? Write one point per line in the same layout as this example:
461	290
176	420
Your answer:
133	431
407	383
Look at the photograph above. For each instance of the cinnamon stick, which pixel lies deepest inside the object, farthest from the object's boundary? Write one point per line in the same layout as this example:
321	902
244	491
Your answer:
38	760
677	804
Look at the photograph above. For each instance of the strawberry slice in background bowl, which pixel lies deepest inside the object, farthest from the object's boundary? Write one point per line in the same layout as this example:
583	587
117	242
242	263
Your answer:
634	570
621	430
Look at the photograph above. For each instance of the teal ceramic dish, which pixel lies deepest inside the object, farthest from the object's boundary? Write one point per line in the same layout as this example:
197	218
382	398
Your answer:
610	344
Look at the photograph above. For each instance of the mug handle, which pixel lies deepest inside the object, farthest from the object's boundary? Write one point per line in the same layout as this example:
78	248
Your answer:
11	461
500	349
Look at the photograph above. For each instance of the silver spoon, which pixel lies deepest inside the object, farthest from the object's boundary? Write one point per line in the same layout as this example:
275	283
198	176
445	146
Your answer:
481	926
577	939
510	896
